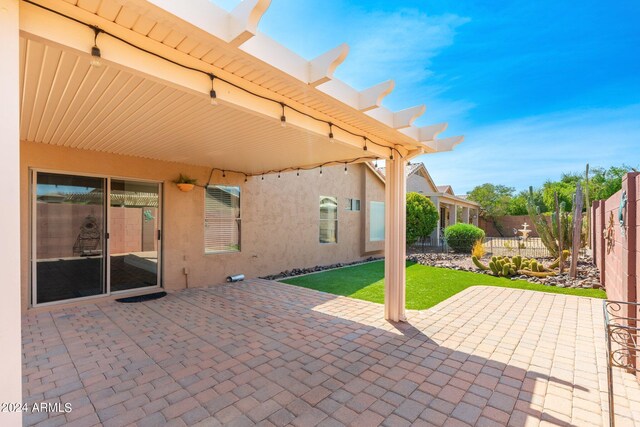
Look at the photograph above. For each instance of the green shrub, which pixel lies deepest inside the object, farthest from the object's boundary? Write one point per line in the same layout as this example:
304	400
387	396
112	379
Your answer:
461	237
422	217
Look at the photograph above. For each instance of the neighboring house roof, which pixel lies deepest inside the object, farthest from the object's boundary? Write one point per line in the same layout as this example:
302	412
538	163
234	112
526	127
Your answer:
446	189
443	191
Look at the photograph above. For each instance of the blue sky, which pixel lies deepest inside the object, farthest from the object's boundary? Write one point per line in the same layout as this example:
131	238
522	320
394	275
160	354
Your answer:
537	87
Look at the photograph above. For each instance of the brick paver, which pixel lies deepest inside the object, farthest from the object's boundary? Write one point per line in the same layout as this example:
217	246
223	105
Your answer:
262	352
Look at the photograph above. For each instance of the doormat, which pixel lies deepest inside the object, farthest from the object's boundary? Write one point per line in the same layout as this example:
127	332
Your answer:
143	298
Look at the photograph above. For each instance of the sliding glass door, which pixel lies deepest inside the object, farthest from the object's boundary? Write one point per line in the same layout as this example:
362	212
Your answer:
69	241
73	228
133	234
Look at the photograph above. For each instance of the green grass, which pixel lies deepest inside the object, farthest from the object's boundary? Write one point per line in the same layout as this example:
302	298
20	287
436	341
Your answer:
426	286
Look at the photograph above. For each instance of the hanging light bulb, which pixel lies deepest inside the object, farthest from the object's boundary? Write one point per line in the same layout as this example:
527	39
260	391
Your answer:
246	178
224	175
212	92
320	170
365	148
95	50
345	168
331	133
298	173
278	174
283	118
391	156
263	177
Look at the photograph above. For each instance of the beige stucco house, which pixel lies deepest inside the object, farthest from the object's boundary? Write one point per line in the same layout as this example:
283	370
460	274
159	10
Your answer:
106	102
448	204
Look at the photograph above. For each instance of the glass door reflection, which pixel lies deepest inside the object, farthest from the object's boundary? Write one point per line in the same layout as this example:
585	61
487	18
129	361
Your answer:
134	234
69	226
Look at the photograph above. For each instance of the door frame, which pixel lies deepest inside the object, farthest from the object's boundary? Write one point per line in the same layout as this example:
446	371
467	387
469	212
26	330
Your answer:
33	276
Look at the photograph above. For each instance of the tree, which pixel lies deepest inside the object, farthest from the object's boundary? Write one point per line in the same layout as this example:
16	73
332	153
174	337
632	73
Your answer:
518	204
493	201
565	188
422	217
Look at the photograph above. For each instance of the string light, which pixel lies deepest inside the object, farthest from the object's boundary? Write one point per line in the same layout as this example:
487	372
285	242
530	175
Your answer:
320	170
391	156
278	174
345	168
224	174
331	133
283	118
298	173
212	92
96	56
95	50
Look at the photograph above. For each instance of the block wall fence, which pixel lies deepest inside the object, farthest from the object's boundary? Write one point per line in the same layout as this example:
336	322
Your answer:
616	244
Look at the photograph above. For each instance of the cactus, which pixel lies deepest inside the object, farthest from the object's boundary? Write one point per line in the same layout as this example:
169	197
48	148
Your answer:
504	266
556	263
505	270
517	261
479	264
494	268
536	273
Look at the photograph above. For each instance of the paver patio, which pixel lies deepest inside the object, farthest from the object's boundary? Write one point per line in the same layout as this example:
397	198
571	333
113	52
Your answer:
268	353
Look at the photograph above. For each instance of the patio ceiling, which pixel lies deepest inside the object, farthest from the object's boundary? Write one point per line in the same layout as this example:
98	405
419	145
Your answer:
137	104
67	102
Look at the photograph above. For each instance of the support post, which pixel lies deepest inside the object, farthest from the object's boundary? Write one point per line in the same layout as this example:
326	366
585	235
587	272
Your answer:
465	215
395	240
437	230
454	214
10	311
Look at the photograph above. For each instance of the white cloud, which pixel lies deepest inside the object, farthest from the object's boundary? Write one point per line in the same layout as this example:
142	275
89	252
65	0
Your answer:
529	151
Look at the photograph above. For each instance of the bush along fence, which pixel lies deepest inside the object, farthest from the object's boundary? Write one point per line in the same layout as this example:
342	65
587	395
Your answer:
615	230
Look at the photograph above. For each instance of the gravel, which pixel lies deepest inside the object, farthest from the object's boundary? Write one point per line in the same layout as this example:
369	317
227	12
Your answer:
588	274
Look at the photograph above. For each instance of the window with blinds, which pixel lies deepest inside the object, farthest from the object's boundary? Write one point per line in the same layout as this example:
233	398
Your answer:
222	219
328	219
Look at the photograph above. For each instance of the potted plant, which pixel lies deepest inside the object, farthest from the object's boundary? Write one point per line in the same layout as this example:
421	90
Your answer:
185	183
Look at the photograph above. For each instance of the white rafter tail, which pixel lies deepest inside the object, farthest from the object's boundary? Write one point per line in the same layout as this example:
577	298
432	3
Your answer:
244	19
372	97
405	118
445	144
321	68
425	133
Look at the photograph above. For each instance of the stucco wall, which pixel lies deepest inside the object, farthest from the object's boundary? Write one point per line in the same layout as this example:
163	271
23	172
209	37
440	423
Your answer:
279	215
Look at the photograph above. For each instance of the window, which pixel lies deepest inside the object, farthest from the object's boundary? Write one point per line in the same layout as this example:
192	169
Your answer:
376	222
328	219
222	219
353	205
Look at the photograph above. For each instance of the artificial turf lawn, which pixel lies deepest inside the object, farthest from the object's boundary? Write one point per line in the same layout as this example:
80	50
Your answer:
426	286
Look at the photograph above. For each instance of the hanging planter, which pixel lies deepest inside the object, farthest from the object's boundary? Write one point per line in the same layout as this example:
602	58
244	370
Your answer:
185	183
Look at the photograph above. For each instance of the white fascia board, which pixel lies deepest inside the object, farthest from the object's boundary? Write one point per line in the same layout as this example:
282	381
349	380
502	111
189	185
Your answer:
273	53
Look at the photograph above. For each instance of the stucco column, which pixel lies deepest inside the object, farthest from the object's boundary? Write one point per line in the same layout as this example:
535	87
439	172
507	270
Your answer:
475	217
465	215
454	214
10	324
395	240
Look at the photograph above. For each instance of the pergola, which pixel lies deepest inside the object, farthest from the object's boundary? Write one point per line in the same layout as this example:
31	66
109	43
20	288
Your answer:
163	63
